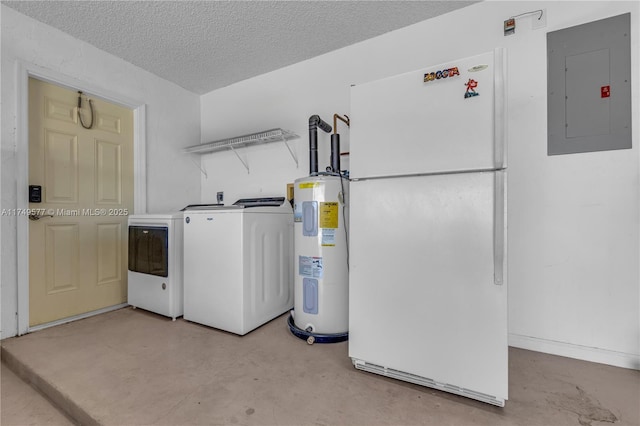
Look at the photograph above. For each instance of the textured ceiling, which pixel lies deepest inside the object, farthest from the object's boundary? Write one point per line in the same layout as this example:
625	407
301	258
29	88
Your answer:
205	45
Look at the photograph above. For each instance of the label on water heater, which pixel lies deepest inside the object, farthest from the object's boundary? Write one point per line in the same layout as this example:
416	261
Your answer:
307	185
329	215
297	212
328	237
310	267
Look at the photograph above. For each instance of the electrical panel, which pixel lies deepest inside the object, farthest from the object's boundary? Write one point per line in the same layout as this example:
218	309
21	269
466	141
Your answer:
589	87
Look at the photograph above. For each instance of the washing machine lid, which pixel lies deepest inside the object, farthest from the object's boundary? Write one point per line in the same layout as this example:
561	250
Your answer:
155	216
260	202
201	207
242	203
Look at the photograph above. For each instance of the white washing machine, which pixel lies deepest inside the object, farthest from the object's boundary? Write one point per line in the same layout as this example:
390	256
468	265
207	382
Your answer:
238	271
155	263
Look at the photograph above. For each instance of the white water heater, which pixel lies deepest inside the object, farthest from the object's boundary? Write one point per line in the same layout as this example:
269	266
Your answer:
321	303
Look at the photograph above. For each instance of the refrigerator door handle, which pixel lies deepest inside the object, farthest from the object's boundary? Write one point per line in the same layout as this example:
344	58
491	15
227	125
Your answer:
500	226
500	109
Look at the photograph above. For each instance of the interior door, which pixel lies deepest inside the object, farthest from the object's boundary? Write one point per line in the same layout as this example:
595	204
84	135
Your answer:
78	232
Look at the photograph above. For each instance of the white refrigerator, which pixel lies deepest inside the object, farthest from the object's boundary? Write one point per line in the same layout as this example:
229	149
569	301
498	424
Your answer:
428	291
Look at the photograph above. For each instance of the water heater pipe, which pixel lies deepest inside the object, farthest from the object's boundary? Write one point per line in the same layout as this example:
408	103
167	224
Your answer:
314	122
335	142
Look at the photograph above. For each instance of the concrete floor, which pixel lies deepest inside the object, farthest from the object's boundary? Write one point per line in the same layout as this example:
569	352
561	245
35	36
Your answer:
131	367
21	404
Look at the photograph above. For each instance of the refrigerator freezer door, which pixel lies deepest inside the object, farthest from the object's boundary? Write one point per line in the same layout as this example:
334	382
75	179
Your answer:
404	125
425	304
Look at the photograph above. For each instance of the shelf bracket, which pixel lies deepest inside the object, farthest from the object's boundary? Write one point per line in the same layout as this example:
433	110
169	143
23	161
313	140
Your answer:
244	163
199	166
293	155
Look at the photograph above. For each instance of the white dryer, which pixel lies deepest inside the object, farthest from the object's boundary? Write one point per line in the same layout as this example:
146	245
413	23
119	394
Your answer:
238	271
155	263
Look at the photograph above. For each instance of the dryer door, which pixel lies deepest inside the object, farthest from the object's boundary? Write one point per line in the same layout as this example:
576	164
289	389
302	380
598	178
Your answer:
148	250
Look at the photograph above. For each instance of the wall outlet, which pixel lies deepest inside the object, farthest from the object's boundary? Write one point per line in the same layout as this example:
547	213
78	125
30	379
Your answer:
220	197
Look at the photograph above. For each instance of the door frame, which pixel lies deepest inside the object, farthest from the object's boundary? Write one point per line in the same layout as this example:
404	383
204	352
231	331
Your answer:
23	72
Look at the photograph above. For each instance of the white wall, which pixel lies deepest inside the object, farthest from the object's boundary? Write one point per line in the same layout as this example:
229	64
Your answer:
172	122
573	219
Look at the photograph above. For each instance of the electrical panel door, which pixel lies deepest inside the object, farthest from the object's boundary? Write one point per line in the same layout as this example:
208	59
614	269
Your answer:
589	87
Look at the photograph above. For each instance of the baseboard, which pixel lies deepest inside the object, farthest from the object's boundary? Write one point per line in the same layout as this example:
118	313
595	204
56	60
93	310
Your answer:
585	353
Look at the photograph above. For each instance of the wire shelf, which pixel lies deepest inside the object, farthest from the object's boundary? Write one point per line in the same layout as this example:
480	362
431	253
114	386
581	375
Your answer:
266	136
